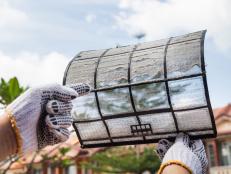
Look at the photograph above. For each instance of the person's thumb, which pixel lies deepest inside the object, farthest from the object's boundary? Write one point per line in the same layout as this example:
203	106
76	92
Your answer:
70	92
80	88
64	93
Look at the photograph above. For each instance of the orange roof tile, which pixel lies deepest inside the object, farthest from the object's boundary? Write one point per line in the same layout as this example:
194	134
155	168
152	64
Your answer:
75	149
226	110
50	151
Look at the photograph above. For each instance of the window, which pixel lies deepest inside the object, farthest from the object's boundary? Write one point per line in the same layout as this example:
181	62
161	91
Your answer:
51	170
211	155
37	171
86	171
226	153
70	170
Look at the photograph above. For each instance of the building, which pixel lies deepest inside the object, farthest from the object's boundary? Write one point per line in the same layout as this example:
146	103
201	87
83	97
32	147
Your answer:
52	160
219	149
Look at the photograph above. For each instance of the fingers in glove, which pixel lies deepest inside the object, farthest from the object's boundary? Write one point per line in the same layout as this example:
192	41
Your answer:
81	88
62	134
161	152
183	138
59	121
162	147
58	107
166	143
197	147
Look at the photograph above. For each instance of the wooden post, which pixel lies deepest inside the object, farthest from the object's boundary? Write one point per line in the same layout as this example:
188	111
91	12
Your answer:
60	170
216	152
45	167
79	169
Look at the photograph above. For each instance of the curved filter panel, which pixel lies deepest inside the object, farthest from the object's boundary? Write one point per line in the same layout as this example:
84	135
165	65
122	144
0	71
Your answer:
142	93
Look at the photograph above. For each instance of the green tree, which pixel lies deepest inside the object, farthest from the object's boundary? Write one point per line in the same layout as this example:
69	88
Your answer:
60	159
10	90
124	160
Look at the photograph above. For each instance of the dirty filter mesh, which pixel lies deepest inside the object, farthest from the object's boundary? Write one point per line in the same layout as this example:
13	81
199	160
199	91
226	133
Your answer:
142	93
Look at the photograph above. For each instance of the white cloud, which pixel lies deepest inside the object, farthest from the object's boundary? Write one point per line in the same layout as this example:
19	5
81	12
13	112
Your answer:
90	18
11	17
33	69
159	19
95	2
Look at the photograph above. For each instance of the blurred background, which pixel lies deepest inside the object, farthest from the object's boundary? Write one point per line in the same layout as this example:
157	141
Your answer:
39	38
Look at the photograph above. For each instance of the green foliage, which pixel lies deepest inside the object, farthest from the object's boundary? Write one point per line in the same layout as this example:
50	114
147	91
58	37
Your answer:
121	160
65	163
64	150
10	90
60	159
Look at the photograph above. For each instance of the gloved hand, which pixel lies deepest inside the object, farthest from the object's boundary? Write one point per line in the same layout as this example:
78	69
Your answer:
42	114
189	153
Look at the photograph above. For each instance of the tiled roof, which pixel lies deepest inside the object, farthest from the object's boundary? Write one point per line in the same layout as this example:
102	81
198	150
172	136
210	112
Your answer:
49	151
223	111
75	149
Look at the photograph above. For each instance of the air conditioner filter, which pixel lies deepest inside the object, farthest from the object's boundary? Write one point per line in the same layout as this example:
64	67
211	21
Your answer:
142	93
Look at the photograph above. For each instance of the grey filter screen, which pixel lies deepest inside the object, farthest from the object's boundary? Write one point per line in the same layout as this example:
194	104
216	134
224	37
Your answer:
142	93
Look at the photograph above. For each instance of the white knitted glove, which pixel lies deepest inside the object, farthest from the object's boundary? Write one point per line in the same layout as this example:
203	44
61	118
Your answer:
190	153
30	112
162	148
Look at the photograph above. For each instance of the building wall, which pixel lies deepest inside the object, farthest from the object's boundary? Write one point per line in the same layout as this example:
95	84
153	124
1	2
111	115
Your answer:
219	149
223	125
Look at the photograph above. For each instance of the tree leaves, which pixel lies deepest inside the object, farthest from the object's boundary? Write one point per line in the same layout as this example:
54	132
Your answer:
122	160
14	88
10	90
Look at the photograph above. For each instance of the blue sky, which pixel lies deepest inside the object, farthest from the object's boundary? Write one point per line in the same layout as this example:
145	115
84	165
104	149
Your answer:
64	26
38	38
